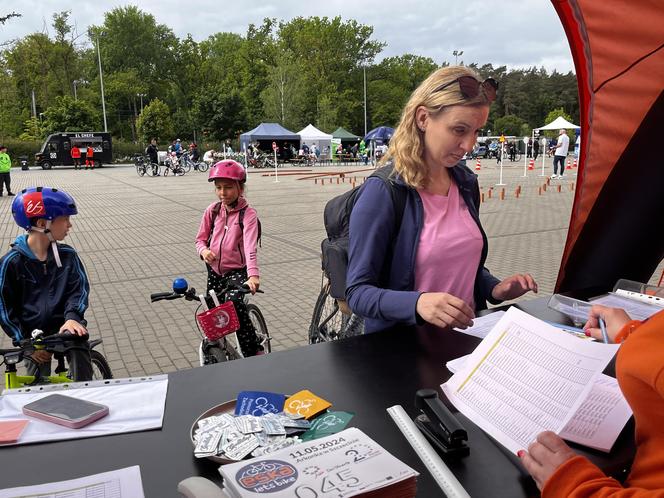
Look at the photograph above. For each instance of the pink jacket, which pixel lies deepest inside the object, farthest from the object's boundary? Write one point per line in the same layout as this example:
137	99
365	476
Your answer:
233	248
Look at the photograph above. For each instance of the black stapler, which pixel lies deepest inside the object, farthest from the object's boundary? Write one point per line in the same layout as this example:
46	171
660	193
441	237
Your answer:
439	425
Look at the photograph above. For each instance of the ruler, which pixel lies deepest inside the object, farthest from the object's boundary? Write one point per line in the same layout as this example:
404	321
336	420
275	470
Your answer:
434	464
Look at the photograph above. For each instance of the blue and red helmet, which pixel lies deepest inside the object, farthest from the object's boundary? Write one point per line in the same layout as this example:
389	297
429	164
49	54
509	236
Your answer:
41	202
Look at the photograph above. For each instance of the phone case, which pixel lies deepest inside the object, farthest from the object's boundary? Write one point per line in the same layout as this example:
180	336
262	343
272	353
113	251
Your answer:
40	409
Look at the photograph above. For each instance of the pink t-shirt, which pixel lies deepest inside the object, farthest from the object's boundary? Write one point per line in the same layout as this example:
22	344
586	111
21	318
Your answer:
450	246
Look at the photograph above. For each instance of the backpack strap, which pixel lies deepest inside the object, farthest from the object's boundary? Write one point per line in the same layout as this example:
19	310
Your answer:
213	216
397	193
241	223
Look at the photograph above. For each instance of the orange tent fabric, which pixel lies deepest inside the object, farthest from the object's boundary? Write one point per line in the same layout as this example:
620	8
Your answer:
616	224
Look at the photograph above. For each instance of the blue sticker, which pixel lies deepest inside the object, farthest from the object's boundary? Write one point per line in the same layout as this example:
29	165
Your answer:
259	403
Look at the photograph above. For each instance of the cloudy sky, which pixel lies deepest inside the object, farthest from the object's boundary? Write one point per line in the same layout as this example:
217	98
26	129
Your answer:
516	33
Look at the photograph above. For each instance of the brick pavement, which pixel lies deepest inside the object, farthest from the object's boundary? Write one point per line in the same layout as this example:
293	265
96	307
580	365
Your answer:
135	235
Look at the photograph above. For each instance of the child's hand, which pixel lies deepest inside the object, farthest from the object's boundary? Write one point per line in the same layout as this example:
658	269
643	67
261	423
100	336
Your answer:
41	356
208	256
253	283
74	327
545	456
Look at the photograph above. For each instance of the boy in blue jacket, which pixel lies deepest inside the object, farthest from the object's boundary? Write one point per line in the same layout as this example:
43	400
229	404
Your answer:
43	284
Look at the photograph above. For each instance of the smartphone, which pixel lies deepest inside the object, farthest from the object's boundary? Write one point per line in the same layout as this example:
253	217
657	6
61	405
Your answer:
65	410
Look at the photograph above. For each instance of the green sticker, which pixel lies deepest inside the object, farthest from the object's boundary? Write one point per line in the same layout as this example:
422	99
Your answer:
327	423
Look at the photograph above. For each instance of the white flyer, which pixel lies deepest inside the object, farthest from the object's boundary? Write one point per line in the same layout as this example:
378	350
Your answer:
121	483
345	464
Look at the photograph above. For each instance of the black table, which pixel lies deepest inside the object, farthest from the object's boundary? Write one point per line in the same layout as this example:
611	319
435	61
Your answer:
364	375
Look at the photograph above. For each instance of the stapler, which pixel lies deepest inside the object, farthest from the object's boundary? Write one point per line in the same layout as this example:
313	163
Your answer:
439	425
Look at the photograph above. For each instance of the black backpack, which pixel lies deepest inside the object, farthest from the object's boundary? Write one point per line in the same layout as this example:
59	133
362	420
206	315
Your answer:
215	212
337	220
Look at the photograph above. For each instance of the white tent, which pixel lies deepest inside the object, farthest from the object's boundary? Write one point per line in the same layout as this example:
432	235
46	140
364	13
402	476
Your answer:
311	135
558	124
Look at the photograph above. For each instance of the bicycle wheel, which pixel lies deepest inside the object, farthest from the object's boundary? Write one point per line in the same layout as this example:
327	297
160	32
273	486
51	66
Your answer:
179	171
258	321
215	355
203	166
352	325
100	367
327	320
167	169
140	169
186	166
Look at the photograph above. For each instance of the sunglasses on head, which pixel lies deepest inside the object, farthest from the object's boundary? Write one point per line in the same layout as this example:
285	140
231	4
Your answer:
470	87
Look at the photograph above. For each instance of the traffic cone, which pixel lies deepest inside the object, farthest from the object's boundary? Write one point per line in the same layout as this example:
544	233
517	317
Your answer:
569	164
574	165
531	164
478	165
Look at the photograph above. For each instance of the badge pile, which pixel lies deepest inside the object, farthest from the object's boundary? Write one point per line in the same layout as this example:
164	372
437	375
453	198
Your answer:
264	423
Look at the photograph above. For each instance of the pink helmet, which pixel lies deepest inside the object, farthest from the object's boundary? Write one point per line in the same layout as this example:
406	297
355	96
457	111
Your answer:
229	169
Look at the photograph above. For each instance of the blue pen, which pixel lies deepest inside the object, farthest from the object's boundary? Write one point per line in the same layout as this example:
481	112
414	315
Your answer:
602	326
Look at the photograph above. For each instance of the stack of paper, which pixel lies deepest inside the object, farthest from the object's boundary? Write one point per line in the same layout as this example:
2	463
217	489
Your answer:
525	378
345	464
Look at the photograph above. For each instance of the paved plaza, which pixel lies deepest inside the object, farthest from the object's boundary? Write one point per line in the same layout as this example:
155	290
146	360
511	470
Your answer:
136	234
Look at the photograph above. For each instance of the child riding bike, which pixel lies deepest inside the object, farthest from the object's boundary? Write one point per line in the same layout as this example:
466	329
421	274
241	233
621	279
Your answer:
42	289
227	241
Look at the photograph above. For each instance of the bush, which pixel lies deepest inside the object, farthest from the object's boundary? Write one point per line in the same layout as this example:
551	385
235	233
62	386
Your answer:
123	151
17	148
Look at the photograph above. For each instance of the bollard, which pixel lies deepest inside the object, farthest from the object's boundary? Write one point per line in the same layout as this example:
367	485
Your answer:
482	198
539	191
502	194
315	181
490	191
337	180
548	181
544	187
353	184
559	188
516	192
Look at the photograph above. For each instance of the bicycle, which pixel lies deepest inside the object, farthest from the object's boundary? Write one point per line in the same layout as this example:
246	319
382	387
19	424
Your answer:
172	164
223	349
332	319
145	167
58	344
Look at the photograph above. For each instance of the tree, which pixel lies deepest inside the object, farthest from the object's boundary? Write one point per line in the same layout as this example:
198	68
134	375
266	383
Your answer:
221	115
508	125
31	130
283	97
68	114
155	122
5	18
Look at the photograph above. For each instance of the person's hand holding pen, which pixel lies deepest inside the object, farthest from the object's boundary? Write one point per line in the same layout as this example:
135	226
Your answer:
614	318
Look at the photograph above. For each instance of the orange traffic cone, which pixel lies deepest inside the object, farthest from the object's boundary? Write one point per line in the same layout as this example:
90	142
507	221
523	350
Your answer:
569	164
574	165
531	164
478	165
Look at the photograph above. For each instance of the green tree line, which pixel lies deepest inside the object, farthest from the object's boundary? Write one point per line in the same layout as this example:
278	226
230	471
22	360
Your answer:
295	72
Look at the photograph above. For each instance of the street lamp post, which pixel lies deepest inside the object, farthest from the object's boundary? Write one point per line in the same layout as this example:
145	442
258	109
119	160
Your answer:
76	82
457	54
141	95
101	81
365	100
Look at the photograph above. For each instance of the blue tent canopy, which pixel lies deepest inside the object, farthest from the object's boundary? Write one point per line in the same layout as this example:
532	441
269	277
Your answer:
267	131
380	134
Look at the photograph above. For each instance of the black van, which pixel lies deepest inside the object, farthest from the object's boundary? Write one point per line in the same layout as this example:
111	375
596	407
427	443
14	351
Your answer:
56	150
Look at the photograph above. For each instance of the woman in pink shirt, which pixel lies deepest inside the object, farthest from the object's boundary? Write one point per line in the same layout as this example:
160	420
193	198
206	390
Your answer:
430	267
227	241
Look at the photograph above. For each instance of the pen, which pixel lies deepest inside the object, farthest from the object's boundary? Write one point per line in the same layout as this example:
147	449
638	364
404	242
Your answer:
602	326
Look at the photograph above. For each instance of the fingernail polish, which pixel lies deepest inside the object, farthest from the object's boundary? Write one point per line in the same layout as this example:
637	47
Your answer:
587	332
520	453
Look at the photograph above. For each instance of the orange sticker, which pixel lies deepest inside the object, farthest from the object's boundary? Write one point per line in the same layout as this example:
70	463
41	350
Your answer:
305	404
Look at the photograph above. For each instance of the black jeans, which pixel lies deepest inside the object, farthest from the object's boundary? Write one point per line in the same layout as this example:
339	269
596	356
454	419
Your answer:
5	178
247	333
556	161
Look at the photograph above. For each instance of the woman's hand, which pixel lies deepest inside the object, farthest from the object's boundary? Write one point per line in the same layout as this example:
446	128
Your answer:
208	256
41	356
253	283
74	327
444	310
544	456
514	286
615	319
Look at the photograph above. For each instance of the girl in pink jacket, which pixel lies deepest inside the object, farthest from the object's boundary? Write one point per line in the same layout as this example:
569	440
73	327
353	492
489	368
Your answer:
227	241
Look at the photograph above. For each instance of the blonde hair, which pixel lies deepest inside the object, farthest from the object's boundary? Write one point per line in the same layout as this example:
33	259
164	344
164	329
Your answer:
407	145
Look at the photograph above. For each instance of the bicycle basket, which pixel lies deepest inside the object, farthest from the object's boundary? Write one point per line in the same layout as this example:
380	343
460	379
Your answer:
219	321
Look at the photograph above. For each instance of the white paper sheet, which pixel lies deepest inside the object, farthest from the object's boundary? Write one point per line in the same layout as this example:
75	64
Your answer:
482	325
122	483
600	419
635	309
133	406
525	377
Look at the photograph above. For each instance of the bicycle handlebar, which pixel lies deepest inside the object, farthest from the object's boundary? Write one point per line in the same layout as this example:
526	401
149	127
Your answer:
190	294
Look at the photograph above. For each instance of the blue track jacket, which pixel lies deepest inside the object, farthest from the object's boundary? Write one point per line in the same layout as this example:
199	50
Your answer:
384	295
37	294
